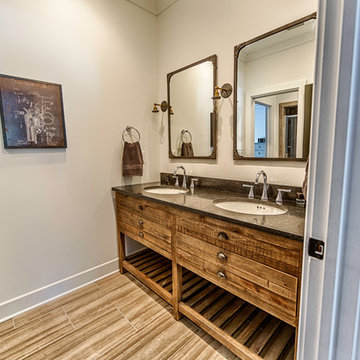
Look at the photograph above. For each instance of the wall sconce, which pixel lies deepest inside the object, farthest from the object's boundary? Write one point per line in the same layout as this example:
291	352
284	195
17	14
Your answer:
226	91
163	107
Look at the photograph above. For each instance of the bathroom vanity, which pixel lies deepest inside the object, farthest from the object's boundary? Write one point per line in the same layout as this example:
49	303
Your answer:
236	276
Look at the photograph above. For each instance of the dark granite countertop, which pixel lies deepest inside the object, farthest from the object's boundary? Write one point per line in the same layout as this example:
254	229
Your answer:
290	224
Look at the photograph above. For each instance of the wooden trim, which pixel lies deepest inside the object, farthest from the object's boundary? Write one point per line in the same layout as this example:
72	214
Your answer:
237	48
120	239
121	248
307	119
282	129
177	288
213	59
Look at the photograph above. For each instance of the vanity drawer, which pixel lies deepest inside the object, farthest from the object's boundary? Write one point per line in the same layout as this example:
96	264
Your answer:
268	249
261	275
145	209
149	233
264	287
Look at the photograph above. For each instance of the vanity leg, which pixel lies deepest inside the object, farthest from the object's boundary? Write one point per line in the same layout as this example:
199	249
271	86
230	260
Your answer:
121	248
177	289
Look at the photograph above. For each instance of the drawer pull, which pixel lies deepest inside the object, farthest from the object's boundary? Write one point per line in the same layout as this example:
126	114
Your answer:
140	222
221	256
222	236
140	207
221	275
141	234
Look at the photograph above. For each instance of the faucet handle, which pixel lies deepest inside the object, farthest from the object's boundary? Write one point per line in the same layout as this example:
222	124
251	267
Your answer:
251	191
177	180
279	195
192	186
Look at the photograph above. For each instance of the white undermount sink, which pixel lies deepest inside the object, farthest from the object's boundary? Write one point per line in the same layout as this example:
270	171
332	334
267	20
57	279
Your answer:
250	208
165	190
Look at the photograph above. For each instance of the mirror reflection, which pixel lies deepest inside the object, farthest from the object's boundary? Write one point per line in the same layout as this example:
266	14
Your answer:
192	122
274	74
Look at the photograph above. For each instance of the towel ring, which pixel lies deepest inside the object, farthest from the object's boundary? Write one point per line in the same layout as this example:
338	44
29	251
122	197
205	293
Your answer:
183	132
127	132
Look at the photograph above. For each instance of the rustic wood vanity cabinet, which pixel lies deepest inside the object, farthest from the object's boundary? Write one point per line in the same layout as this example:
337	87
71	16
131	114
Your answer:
239	284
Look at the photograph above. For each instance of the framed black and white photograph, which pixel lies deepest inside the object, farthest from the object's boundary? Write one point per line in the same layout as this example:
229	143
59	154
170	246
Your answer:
32	114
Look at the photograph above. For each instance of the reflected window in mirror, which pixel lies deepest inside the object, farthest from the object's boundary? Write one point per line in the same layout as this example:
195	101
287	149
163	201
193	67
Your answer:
192	123
274	74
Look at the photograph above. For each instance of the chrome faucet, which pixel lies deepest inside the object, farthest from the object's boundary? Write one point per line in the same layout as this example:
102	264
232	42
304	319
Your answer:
264	195
184	178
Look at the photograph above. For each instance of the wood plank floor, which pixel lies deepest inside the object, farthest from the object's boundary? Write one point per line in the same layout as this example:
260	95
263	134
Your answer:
114	318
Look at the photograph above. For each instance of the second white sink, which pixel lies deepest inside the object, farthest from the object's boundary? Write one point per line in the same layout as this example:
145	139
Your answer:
250	208
165	190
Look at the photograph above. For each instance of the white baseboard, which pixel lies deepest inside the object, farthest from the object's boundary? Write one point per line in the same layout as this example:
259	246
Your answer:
15	306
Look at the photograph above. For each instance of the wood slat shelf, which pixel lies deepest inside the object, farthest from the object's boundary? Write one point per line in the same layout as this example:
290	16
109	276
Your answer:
248	331
154	270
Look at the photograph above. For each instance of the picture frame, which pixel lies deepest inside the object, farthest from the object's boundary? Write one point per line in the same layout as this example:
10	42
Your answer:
32	114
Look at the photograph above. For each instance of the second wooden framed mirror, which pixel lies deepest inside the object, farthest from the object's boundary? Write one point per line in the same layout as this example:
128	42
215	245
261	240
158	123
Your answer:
273	81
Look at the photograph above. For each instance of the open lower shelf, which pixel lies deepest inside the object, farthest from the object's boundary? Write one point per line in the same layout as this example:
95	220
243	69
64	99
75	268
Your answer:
250	331
154	270
246	330
154	266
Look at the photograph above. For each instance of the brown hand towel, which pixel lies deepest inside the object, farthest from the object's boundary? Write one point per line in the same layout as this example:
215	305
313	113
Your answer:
132	159
187	149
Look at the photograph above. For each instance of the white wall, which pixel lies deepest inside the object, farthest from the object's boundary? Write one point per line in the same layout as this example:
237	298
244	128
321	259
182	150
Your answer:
191	30
56	209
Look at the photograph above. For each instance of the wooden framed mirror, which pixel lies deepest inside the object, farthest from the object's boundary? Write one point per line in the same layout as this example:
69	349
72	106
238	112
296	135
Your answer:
273	83
192	115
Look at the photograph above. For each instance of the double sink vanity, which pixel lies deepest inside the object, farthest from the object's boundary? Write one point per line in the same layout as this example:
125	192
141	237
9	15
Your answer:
230	264
228	254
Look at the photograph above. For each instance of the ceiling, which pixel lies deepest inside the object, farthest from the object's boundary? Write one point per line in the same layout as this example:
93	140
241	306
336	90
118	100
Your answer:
156	7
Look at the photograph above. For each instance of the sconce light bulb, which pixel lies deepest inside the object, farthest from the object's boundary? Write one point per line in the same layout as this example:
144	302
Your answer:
216	94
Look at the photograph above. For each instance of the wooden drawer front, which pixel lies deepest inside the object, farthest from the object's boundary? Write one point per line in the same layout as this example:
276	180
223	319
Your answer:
248	286
262	275
259	296
147	232
275	251
145	209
